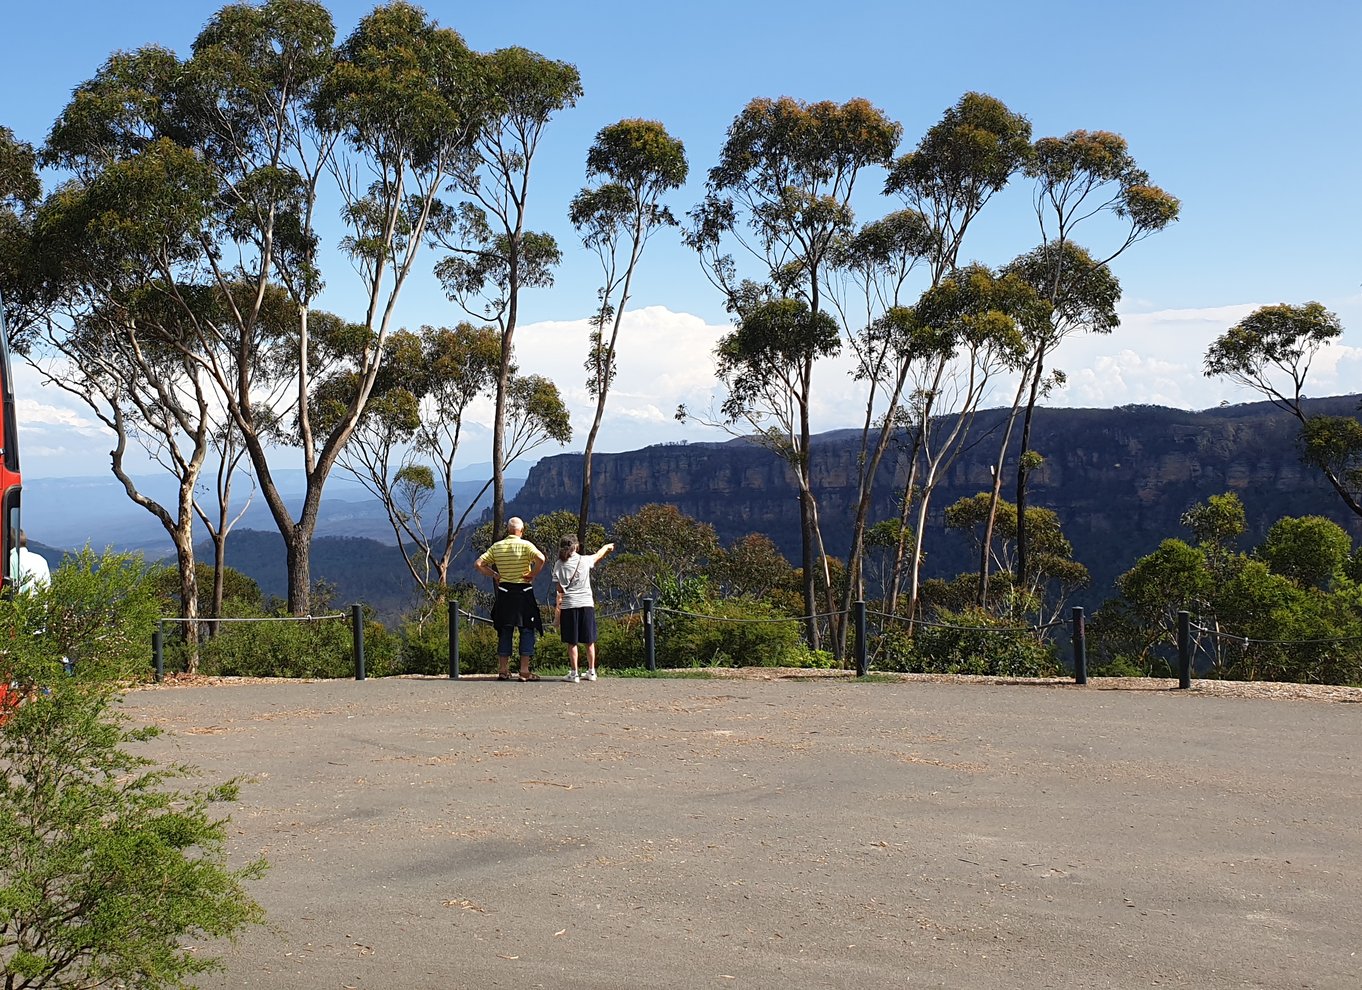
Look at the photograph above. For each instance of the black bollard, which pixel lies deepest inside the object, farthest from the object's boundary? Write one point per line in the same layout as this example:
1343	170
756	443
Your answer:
454	640
862	656
1080	646
1184	649
357	625
649	645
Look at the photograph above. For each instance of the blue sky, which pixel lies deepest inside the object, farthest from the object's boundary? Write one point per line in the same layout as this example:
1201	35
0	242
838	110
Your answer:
1247	111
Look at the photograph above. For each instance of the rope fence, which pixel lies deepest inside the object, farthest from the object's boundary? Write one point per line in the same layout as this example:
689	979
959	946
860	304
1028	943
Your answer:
1250	641
1188	644
355	615
266	618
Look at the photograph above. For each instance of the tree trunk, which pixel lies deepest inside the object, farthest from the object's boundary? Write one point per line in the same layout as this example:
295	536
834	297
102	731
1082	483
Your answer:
189	604
1022	537
995	495
298	554
811	632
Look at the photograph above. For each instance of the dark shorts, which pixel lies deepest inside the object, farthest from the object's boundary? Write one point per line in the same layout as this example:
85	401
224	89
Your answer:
578	625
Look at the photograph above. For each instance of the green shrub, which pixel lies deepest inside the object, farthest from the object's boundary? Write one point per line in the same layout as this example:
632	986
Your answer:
424	638
969	642
1119	666
98	613
739	632
801	656
111	875
288	647
619	643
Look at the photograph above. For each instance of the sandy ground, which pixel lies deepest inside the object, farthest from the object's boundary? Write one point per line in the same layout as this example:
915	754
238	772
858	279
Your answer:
767	831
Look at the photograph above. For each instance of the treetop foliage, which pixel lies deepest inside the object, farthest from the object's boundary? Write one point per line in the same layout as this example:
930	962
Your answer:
1281	336
971	153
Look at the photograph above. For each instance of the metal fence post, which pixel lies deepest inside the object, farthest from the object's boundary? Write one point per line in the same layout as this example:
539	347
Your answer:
1080	646
862	663
357	626
454	640
649	644
158	659
1184	649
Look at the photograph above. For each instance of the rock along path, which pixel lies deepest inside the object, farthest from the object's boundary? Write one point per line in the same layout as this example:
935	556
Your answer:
791	833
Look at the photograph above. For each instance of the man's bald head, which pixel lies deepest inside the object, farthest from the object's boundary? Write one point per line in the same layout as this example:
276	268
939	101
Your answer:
515	525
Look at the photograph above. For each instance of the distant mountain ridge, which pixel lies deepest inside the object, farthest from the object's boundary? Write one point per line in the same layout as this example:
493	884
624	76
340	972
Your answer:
70	512
1119	479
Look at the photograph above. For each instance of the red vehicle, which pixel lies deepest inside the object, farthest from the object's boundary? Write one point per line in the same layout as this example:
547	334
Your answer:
9	491
9	465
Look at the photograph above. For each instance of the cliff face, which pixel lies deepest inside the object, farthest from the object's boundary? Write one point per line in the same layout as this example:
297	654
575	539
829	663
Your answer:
1119	480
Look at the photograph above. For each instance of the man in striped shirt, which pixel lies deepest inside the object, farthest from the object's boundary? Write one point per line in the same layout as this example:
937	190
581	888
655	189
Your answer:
512	564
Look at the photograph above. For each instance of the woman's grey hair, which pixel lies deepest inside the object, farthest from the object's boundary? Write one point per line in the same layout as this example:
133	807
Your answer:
567	546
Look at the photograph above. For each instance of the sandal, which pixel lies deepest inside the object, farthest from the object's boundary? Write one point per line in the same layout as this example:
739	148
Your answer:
503	677
528	677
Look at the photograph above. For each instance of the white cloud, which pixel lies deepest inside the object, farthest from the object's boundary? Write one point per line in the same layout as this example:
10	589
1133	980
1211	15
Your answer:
664	359
32	413
1157	358
667	358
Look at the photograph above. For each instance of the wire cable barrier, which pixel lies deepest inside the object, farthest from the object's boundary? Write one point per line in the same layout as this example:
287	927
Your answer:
1250	641
266	618
950	625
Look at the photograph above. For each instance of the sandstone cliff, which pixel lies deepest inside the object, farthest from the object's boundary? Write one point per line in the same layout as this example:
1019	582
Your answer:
1118	478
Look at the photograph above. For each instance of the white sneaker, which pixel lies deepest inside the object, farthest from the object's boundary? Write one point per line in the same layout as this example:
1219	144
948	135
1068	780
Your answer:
572	678
590	675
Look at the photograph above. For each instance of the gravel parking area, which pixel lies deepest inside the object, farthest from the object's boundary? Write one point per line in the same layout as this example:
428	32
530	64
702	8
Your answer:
770	831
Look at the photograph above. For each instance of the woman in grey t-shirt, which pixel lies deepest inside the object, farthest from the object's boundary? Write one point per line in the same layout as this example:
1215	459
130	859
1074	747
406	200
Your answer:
576	606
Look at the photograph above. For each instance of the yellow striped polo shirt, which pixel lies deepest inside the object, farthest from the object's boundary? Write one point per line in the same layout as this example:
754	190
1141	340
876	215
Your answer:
511	557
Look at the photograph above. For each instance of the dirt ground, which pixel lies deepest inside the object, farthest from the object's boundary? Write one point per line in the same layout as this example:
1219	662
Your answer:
773	831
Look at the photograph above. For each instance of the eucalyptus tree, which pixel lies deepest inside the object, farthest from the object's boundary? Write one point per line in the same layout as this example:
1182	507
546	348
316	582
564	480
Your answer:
405	96
20	192
1270	351
637	162
781	192
492	254
974	321
870	272
957	167
1080	177
408	440
114	249
1053	574
217	513
1082	297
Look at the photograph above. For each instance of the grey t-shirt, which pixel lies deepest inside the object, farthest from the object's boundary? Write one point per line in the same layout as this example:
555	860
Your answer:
574	577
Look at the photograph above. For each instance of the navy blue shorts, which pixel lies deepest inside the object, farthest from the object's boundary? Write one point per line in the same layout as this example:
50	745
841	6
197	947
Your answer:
578	625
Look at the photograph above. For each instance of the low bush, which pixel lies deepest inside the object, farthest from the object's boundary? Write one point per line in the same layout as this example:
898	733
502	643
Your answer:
282	646
97	615
736	632
969	642
113	874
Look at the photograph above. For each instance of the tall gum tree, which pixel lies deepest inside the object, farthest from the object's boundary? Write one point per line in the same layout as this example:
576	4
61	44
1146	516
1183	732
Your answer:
637	162
976	321
1082	177
1083	298
781	194
404	95
493	256
115	251
272	109
867	285
957	167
